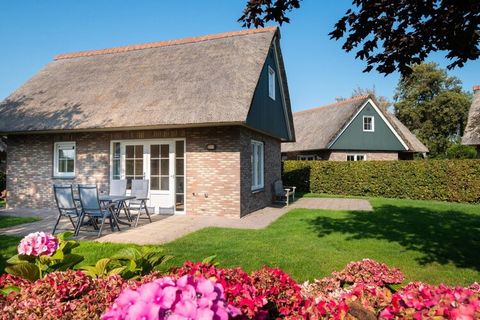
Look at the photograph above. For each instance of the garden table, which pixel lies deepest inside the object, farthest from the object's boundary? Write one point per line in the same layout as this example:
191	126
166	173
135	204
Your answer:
121	204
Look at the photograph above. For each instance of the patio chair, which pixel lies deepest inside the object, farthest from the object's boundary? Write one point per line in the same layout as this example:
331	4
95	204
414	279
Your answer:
65	204
91	206
283	193
118	187
140	192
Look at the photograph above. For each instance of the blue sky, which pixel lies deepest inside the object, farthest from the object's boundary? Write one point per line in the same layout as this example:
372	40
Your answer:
318	70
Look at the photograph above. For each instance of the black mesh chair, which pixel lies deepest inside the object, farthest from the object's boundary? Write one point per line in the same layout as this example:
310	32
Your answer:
66	205
139	204
91	207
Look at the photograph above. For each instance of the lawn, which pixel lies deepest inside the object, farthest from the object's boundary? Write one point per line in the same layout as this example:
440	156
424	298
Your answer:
9	244
10	221
429	241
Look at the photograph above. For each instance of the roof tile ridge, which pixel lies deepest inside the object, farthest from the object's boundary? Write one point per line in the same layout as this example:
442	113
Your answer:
159	44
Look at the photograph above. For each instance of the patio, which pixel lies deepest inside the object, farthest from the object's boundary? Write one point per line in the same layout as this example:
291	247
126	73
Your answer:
166	228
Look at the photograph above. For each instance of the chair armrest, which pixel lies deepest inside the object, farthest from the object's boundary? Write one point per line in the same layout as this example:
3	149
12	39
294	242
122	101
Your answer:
141	199
289	187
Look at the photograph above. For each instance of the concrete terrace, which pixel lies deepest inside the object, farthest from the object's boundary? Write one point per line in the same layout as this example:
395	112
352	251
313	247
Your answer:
166	228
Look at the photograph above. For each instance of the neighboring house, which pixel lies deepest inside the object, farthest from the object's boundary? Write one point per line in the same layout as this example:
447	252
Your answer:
201	118
472	130
350	130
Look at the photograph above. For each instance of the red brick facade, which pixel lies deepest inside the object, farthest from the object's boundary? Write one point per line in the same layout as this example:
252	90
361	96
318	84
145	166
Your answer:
218	182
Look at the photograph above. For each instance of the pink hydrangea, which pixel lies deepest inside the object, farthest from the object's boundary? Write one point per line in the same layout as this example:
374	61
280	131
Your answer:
38	244
166	298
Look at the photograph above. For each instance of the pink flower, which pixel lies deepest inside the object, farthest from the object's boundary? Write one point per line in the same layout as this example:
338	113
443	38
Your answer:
189	297
38	244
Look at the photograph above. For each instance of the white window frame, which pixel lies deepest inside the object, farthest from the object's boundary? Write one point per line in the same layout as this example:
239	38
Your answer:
271	83
356	155
258	163
56	148
373	124
306	157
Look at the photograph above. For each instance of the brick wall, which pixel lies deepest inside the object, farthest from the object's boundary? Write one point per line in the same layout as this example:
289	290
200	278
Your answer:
371	155
252	201
213	177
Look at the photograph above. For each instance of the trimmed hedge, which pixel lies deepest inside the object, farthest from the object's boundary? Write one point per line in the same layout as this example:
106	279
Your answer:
444	180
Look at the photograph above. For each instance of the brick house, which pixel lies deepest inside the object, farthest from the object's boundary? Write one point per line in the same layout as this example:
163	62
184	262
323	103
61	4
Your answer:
471	135
201	118
351	130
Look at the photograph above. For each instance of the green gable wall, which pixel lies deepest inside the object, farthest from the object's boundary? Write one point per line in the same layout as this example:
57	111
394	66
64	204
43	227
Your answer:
266	114
354	138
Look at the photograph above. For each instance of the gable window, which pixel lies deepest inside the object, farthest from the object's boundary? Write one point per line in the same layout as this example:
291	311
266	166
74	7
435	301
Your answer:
257	165
64	159
356	157
305	157
271	83
368	124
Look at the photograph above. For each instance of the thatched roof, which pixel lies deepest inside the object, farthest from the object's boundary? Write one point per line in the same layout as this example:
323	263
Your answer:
189	82
316	128
472	130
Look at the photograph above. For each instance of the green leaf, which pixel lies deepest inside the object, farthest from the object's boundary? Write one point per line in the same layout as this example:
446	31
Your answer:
6	291
210	260
90	271
127	254
68	262
102	264
16	259
64	236
118	270
27	271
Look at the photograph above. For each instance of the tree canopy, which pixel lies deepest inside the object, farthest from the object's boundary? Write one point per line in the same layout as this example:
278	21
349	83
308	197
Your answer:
392	35
433	106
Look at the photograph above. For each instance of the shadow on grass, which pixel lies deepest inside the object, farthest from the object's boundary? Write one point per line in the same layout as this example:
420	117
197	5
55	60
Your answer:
442	237
8	247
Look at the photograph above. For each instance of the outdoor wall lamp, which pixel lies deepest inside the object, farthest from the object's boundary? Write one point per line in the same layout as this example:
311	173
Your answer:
211	147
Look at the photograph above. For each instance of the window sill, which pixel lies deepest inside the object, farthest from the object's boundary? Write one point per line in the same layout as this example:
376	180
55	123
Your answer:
64	177
258	190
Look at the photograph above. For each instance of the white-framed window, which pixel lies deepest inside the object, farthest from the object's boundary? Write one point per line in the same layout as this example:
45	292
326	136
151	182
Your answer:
356	157
64	159
271	82
305	157
368	123
257	165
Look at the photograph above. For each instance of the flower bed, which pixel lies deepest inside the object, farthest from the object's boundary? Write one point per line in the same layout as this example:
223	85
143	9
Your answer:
362	290
203	291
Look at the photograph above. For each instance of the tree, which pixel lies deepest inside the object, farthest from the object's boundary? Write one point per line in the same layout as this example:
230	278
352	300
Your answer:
433	106
392	35
383	101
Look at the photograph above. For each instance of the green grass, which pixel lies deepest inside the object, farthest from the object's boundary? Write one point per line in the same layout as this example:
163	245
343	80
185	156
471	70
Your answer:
10	221
429	241
2	203
9	244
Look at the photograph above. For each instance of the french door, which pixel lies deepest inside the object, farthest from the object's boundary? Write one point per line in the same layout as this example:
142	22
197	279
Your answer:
162	162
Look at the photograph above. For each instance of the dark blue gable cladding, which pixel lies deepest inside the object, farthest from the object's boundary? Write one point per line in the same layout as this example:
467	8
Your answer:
266	114
355	138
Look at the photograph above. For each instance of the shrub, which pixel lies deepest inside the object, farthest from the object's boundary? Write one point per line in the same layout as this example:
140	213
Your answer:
460	151
185	298
444	180
202	289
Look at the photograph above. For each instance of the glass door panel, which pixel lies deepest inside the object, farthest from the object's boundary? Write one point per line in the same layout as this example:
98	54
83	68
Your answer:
134	163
